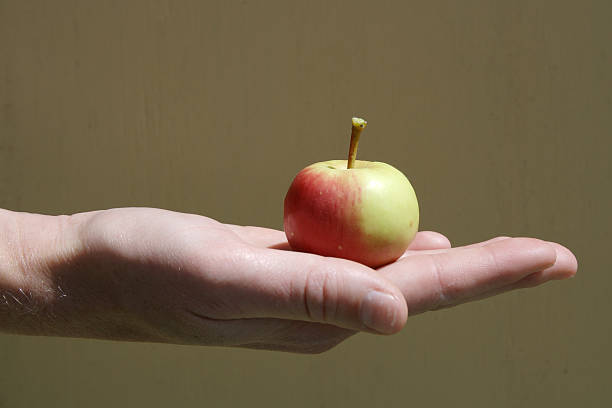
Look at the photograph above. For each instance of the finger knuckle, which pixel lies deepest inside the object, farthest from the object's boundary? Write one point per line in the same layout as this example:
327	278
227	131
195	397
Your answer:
493	261
443	289
321	294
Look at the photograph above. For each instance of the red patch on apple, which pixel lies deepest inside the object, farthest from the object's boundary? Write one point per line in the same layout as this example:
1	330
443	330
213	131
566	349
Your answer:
322	216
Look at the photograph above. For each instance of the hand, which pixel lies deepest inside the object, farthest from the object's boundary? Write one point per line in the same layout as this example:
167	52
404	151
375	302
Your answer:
154	275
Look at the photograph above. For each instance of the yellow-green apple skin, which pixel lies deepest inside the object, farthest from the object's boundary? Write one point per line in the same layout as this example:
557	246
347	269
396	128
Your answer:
368	214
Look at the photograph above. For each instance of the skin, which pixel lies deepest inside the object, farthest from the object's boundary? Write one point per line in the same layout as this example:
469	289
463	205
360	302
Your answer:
142	274
368	214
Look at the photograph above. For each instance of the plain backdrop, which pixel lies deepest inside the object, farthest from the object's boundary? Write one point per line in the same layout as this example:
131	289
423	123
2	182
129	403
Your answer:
499	112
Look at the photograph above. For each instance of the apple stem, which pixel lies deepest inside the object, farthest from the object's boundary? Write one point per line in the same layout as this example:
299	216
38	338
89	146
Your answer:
358	126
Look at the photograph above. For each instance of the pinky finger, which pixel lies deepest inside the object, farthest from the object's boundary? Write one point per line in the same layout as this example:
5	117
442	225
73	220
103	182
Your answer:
431	251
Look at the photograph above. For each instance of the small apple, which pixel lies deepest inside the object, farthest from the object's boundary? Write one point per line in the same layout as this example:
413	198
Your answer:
358	210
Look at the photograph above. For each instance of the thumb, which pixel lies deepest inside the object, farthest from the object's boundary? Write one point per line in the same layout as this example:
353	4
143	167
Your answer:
300	286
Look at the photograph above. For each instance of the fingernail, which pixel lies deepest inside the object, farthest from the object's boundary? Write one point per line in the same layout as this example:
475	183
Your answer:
379	312
566	262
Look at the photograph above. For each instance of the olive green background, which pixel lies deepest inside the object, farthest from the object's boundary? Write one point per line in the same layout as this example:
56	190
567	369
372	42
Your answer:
499	112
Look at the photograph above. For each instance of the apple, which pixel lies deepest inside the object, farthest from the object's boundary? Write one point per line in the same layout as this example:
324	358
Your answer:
358	210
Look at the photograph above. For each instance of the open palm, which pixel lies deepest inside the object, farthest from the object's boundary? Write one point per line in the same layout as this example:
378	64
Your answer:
187	279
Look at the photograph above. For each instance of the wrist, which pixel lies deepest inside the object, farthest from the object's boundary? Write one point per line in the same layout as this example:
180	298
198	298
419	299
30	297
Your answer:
33	248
